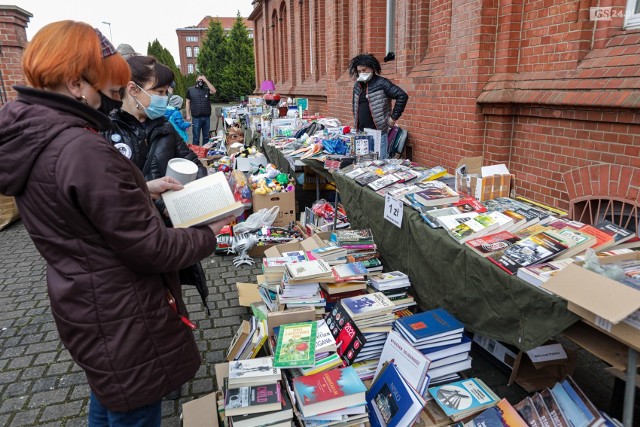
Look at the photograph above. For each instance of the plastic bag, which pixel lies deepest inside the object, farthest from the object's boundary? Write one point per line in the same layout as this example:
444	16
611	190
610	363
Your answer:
257	220
611	271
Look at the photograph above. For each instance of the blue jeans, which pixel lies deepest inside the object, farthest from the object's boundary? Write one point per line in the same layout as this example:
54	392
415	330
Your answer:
201	124
147	416
384	146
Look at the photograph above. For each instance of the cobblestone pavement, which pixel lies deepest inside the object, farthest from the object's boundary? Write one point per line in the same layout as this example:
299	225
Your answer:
41	386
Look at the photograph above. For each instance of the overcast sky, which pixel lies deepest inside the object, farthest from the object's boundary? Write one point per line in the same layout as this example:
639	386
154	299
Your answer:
134	22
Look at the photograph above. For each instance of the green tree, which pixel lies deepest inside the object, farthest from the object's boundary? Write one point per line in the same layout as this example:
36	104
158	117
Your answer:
163	56
212	55
238	71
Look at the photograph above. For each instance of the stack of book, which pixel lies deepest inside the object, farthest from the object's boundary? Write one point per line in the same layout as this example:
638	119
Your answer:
332	254
438	335
360	247
337	395
395	285
373	316
253	394
307	274
430	214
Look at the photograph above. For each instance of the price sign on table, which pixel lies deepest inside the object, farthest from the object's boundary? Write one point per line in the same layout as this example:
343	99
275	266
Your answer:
393	210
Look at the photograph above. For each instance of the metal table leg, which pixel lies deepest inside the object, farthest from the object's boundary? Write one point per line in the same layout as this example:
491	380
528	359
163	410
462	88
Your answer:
630	389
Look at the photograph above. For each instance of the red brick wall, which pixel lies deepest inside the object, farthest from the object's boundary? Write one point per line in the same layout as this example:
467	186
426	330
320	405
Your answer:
13	40
536	85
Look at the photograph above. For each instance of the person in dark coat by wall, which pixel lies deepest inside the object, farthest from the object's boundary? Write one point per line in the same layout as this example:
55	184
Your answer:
372	95
111	262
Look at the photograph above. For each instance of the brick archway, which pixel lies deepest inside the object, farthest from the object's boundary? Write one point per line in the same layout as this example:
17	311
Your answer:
604	191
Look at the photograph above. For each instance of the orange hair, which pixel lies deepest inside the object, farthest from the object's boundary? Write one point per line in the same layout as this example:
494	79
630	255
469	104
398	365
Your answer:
67	50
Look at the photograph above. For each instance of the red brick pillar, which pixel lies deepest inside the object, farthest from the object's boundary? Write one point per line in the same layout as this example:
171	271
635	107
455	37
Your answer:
13	40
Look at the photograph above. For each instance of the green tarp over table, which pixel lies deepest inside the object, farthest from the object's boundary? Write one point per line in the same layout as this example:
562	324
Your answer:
447	274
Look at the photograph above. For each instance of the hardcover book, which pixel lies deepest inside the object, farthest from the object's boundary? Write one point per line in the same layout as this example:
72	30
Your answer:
528	412
554	410
296	345
349	339
329	391
429	325
344	272
463	398
251	400
391	400
411	363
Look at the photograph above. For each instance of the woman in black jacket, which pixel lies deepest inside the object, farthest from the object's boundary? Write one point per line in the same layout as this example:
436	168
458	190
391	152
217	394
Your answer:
372	95
142	133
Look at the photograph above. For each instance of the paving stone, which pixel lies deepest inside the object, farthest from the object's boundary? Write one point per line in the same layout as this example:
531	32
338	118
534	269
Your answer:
25	418
75	378
33	372
12	352
21	362
59	368
44	384
57	412
45	398
81	391
12	404
8	377
45	358
19	388
80	421
202	386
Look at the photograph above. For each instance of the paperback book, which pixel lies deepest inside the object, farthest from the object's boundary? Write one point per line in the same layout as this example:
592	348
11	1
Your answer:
251	400
349	339
429	326
463	398
531	250
258	371
329	391
296	345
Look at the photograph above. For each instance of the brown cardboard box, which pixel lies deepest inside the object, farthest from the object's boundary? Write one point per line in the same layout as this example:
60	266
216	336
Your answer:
201	412
469	180
292	315
608	305
313	242
527	374
285	201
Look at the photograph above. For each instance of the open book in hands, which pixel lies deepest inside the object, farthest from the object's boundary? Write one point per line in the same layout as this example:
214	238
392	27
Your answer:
202	201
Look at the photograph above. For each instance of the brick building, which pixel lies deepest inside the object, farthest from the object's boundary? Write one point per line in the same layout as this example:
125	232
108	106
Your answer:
13	40
190	40
539	85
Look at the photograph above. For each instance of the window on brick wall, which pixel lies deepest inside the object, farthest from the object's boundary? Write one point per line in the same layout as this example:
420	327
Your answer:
196	51
188	50
632	17
190	68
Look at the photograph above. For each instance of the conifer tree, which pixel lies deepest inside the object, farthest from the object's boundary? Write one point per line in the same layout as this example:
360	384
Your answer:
212	57
238	72
163	56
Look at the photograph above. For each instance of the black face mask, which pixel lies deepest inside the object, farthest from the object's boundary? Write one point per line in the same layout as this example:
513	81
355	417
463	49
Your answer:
107	105
200	83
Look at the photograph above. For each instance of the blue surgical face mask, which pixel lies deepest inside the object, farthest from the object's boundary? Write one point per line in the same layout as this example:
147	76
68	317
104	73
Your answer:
157	106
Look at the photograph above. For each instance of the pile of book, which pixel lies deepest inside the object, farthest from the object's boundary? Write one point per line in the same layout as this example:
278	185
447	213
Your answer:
359	246
396	286
440	337
253	395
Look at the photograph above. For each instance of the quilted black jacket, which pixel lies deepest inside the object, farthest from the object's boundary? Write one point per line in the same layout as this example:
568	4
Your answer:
380	92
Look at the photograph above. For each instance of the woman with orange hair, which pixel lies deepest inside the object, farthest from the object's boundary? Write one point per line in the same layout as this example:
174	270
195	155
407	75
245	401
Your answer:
111	263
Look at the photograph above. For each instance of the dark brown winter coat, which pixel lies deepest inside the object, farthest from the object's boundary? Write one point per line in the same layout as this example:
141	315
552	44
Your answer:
110	259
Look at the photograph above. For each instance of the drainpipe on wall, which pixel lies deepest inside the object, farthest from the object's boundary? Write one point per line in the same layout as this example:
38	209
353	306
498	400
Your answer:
391	31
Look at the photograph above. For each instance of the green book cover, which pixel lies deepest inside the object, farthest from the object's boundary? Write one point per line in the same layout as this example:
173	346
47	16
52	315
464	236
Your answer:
296	346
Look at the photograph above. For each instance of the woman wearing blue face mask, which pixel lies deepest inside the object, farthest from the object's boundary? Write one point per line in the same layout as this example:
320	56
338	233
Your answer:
142	133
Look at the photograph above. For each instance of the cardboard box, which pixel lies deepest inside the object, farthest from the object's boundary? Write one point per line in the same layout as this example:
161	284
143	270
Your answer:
608	305
469	180
247	164
201	412
310	243
291	315
531	376
285	201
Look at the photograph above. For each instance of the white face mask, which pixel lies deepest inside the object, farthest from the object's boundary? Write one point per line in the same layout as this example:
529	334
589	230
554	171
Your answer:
364	77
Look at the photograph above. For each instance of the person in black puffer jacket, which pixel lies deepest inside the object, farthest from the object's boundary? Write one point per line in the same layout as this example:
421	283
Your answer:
141	132
372	95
